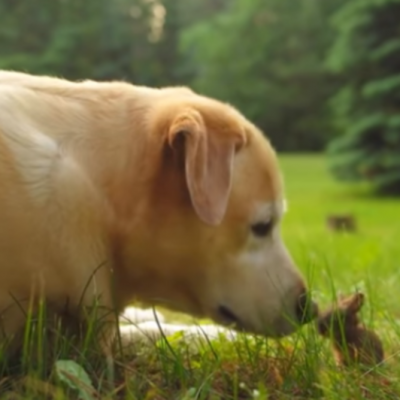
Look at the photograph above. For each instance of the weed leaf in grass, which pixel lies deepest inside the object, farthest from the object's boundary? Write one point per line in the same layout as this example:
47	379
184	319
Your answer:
76	378
191	394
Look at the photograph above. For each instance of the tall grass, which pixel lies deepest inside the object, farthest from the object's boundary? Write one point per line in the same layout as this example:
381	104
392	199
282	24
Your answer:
297	367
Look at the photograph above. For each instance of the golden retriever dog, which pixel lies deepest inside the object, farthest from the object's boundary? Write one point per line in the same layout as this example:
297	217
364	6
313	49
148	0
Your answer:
112	193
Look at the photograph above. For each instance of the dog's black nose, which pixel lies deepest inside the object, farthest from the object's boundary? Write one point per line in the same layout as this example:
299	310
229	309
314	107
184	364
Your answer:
306	308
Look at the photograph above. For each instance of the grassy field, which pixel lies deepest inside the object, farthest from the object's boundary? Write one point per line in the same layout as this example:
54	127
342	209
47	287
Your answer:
368	259
298	367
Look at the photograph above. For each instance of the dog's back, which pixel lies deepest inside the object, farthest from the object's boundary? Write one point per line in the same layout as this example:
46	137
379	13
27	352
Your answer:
174	194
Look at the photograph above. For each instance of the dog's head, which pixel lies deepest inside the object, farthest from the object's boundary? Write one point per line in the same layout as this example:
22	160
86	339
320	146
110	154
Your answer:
205	237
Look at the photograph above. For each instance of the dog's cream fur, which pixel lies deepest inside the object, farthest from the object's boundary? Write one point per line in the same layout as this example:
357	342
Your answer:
124	193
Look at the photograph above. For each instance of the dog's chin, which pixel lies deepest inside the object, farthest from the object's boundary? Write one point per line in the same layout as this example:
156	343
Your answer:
284	328
278	329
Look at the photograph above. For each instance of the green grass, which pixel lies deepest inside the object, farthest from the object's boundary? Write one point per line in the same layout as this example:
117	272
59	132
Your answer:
298	367
368	259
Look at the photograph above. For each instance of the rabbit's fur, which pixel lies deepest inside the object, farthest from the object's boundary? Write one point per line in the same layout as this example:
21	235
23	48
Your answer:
352	342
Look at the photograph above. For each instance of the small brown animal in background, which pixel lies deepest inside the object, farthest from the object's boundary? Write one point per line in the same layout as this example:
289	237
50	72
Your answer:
352	342
341	223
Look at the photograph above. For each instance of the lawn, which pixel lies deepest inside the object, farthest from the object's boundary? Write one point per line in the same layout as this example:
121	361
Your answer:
298	367
368	259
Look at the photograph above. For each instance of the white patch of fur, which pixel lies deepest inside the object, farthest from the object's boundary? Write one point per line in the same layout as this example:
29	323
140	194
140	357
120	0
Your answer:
267	211
150	331
35	153
265	267
134	315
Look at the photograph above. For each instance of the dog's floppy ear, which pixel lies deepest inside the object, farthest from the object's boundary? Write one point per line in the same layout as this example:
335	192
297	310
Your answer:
208	164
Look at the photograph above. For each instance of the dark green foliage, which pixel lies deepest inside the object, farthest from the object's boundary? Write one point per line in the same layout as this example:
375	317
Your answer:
367	55
266	57
97	39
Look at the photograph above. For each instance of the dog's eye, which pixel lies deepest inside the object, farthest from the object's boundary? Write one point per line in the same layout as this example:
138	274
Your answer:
262	229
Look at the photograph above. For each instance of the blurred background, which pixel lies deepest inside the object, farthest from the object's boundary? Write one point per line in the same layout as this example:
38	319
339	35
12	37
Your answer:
316	76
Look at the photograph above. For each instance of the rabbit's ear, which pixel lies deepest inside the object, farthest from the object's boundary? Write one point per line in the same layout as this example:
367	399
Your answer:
356	302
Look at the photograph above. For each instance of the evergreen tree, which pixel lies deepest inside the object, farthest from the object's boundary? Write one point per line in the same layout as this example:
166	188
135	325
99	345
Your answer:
75	39
267	58
367	108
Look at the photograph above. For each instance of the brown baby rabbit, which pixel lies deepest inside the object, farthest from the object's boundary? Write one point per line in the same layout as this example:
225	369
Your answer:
352	342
